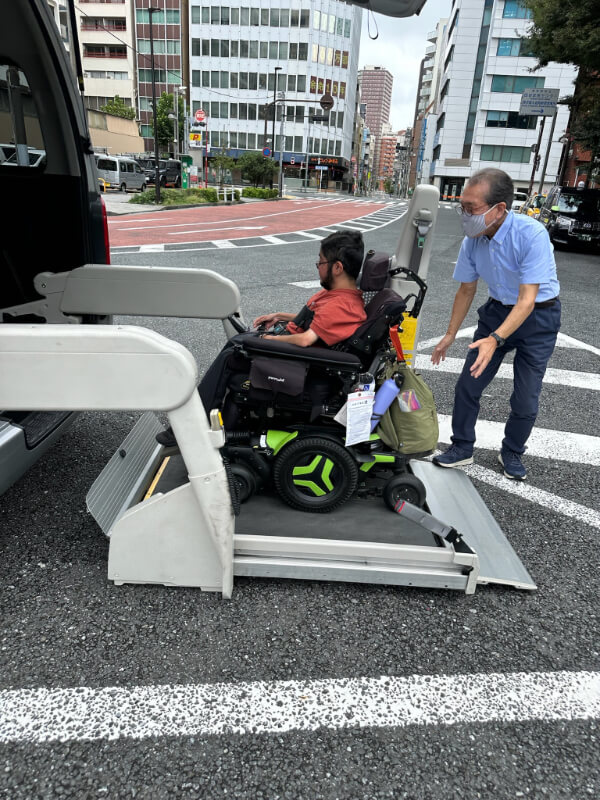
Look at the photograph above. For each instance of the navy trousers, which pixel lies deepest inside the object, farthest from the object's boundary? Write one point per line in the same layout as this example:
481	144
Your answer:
533	344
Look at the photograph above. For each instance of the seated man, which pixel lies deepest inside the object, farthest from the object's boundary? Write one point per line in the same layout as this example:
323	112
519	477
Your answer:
330	316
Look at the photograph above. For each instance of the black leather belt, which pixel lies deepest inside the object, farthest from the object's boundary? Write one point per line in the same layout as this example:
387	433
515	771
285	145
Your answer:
543	304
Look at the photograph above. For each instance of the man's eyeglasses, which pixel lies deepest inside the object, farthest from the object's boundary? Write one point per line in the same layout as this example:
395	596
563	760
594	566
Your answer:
463	211
318	263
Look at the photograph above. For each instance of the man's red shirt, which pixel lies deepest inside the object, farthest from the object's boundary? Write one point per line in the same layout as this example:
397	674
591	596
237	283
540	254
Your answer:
337	314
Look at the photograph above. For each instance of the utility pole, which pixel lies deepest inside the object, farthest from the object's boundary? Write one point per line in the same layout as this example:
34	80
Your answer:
536	157
275	71
280	179
547	156
152	11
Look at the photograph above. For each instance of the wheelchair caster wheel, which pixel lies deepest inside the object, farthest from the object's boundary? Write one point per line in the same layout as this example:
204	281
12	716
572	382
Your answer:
404	487
315	474
246	481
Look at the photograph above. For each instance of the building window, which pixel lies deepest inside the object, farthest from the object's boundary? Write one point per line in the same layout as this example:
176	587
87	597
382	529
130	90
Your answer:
304	19
303	51
514	10
146	131
235	16
515	84
301	83
510	119
195	77
436	152
195	15
513	47
440	122
499	152
347	28
145	75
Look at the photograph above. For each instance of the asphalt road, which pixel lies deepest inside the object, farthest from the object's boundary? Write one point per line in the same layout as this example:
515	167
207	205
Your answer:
64	626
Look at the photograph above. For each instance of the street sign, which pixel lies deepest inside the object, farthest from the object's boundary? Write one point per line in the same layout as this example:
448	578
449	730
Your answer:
292	160
266	152
195	140
539	102
200	116
322	168
326	102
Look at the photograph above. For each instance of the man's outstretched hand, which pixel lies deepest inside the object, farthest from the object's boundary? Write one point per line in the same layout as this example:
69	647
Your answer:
268	320
441	348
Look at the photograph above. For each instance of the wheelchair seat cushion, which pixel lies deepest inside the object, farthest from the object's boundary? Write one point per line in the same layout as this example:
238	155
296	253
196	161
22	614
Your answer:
278	348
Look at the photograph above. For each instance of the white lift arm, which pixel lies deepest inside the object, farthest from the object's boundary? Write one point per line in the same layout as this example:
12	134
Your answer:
92	367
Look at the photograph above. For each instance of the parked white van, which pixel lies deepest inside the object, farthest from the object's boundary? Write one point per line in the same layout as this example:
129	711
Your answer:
121	173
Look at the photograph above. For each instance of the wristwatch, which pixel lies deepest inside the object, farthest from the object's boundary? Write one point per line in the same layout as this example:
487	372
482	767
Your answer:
499	339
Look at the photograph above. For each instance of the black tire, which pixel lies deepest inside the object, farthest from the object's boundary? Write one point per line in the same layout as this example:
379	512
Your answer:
245	481
404	487
330	475
143	187
178	183
123	188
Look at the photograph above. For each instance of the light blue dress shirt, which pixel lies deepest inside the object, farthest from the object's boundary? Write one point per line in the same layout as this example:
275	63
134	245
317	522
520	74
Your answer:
519	252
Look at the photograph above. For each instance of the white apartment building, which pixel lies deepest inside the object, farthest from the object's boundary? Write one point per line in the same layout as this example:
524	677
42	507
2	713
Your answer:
476	121
107	38
235	54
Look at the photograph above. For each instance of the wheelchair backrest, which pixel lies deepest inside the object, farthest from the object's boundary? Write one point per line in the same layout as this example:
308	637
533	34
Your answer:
383	310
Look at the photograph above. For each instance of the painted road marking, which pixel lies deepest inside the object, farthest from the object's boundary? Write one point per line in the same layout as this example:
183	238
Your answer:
306	284
218	230
576	448
562	341
305	233
223	244
562	377
110	713
152	248
274	240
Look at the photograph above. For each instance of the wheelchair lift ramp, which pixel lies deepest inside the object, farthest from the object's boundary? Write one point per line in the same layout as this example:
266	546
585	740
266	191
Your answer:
452	497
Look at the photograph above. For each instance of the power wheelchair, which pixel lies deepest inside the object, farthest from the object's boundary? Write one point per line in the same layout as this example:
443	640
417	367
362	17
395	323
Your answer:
281	400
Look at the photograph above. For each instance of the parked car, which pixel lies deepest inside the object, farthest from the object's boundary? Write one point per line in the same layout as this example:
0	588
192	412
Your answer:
519	201
533	205
40	104
120	172
572	216
169	171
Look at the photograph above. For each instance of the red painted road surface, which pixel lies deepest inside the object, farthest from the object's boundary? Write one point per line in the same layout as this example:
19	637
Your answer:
207	224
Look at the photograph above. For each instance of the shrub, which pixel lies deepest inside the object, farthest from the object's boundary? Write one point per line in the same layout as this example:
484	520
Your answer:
177	197
265	194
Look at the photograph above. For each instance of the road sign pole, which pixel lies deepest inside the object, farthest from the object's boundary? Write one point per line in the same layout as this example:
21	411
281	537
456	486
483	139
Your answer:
536	156
548	148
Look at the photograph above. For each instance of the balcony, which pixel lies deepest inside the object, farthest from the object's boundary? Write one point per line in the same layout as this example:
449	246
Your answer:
432	36
430	50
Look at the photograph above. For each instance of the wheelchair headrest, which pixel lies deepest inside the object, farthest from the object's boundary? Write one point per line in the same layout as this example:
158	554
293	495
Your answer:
374	274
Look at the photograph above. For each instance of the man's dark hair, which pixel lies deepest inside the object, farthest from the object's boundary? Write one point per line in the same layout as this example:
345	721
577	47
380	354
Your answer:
500	188
347	247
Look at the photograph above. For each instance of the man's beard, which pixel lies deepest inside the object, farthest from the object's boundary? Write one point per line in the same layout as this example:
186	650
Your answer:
326	282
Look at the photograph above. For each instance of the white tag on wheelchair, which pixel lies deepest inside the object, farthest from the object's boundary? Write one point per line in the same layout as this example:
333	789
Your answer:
359	410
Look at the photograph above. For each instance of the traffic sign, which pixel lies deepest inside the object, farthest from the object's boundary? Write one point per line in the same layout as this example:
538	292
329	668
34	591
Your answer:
292	160
195	140
322	168
200	115
266	151
326	102
539	102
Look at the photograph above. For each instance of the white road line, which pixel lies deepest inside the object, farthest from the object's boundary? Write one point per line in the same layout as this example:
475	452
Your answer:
305	233
218	230
273	240
562	341
549	501
151	248
86	714
562	377
223	244
576	448
306	284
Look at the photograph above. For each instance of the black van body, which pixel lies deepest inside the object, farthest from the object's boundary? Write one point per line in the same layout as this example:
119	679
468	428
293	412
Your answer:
53	218
169	170
572	217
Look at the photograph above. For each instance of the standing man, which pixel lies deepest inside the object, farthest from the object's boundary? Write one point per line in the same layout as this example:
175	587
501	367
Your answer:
513	254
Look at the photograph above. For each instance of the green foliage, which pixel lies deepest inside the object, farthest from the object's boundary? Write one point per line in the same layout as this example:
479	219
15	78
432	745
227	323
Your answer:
180	197
222	162
164	125
256	168
568	32
264	194
117	108
387	186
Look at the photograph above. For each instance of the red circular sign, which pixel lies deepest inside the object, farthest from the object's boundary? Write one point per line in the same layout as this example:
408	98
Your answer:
200	115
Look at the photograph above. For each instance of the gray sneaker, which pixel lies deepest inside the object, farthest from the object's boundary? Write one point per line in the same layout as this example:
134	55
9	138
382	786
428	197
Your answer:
454	456
513	466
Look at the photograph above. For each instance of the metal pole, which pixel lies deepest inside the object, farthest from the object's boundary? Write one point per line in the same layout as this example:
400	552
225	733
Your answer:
536	156
206	156
275	71
151	11
175	123
548	148
280	179
186	128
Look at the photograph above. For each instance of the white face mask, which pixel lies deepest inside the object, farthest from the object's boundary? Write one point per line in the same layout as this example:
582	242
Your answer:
474	224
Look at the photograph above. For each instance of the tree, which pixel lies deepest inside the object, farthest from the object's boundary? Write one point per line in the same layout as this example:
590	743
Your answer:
165	127
117	108
256	168
222	162
567	31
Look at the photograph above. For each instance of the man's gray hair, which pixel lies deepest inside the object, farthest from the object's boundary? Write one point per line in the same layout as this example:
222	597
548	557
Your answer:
500	188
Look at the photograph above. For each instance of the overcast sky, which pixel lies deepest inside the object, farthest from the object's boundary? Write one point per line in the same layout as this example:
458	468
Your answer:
399	48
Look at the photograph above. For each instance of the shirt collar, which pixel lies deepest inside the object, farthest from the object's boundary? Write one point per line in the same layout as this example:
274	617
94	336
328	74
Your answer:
504	229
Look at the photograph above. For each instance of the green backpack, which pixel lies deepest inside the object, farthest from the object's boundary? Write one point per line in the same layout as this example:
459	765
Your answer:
409	432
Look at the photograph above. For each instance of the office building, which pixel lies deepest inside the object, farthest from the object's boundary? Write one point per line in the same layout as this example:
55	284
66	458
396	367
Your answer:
245	57
476	121
376	93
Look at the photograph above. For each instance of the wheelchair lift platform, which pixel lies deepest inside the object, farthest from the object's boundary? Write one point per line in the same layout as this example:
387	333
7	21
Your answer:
363	541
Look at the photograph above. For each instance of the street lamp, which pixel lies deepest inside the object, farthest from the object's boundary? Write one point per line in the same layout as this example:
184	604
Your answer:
175	118
152	11
275	71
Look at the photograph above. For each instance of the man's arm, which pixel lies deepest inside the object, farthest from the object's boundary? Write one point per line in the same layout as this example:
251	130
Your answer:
304	339
271	319
522	309
462	303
